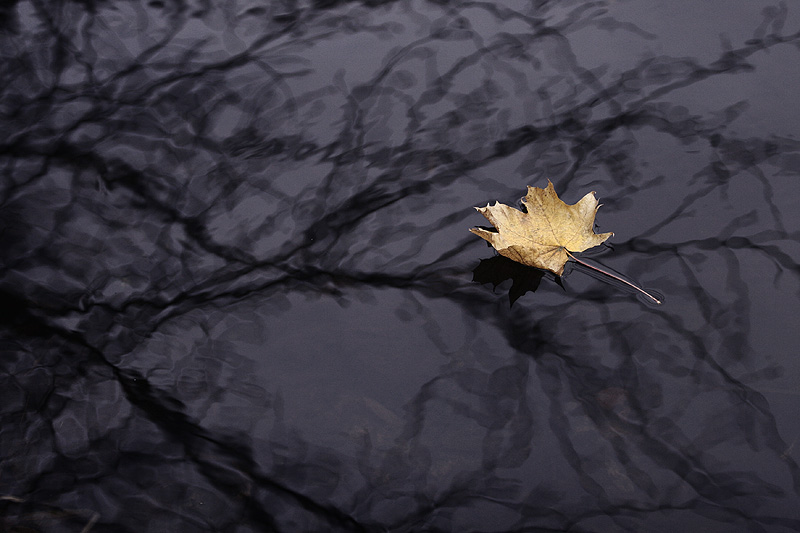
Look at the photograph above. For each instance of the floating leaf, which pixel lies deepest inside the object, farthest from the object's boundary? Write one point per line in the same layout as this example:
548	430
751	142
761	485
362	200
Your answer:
543	236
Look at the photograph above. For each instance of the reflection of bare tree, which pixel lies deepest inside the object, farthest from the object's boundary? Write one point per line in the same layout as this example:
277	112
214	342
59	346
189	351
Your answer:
174	177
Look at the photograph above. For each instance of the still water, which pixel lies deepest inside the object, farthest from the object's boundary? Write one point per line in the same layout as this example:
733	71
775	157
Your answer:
239	291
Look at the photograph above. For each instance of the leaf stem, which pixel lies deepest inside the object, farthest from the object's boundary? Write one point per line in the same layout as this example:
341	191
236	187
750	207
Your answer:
626	282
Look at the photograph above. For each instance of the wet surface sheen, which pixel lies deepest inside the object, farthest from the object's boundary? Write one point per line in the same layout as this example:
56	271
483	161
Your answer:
239	293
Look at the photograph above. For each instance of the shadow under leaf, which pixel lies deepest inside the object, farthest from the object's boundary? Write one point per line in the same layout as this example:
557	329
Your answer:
523	278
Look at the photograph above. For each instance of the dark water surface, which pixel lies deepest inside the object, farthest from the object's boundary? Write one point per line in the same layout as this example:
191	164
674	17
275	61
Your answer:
237	280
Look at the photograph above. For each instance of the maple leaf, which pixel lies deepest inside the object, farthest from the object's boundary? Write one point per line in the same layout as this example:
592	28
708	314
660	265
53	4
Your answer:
543	236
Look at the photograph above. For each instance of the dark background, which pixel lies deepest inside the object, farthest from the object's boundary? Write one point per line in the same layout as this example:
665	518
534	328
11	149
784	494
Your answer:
237	280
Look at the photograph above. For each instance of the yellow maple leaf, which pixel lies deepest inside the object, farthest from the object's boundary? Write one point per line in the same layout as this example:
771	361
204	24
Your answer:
543	236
